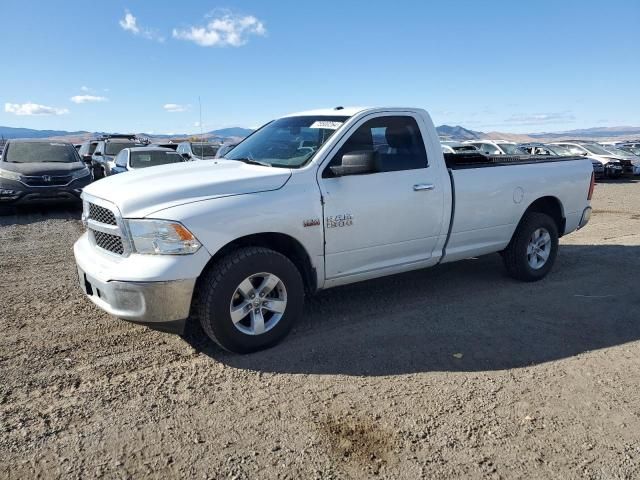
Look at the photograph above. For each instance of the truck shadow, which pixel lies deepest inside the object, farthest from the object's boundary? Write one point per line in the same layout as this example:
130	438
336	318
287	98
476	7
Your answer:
465	316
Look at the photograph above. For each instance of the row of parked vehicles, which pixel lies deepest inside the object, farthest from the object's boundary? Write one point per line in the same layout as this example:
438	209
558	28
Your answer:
46	171
609	159
111	154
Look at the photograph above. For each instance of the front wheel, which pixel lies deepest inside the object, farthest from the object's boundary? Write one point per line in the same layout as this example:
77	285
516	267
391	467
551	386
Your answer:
250	299
532	251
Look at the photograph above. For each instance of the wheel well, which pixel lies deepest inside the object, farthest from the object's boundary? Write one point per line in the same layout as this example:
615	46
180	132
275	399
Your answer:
550	206
281	243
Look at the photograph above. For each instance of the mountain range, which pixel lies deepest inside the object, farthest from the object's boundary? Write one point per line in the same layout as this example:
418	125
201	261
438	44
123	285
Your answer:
446	131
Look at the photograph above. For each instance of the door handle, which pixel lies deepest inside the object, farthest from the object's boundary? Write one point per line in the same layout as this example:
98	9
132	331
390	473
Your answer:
424	186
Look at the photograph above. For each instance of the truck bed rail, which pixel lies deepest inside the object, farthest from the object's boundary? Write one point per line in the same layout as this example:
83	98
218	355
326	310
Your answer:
457	161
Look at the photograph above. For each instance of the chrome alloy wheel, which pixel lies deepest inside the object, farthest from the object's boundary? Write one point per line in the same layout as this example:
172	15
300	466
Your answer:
258	303
539	248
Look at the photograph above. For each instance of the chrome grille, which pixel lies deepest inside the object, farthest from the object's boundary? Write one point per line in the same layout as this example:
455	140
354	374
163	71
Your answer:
105	227
101	214
111	243
47	180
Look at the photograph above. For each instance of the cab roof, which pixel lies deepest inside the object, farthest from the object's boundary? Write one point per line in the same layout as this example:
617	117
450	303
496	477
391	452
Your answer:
329	112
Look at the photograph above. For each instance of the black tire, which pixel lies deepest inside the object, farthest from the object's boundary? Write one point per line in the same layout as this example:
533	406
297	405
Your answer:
218	284
515	255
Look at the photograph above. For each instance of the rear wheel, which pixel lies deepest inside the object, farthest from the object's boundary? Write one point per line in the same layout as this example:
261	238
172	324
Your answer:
250	299
532	251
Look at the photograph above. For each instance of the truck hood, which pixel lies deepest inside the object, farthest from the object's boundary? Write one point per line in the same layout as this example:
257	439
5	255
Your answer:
141	193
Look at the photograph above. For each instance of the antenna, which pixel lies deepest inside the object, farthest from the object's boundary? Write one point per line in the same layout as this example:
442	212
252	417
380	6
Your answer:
201	127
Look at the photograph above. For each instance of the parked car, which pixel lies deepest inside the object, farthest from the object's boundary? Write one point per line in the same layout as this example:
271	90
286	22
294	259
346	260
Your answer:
107	148
86	151
534	148
225	148
171	145
496	147
613	165
630	147
143	157
238	243
40	171
633	159
198	150
449	146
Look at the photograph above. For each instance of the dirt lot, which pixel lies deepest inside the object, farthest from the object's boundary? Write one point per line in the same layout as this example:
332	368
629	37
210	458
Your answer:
452	372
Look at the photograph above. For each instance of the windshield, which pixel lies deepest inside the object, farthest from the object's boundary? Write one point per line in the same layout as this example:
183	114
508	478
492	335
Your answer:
36	152
596	149
511	149
560	150
153	158
113	148
618	151
287	142
204	150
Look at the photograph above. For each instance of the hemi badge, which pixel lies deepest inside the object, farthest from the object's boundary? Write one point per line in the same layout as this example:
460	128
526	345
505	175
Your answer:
313	222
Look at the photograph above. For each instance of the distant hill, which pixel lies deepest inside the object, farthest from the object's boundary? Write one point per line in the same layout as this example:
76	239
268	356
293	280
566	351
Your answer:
459	133
10	132
593	133
232	132
452	132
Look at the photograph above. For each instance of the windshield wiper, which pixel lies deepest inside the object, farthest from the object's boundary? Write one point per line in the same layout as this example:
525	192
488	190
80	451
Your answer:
251	161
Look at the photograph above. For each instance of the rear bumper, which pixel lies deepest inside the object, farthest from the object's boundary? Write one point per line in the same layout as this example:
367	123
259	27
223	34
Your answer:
586	216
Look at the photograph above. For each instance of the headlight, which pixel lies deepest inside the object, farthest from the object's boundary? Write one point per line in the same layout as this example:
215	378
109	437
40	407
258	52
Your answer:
76	174
162	237
9	175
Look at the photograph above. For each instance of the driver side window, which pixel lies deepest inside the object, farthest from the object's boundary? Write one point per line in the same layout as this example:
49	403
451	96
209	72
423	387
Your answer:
395	141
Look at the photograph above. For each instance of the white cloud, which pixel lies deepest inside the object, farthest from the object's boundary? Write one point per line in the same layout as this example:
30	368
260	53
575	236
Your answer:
129	23
33	109
84	88
175	107
88	99
226	30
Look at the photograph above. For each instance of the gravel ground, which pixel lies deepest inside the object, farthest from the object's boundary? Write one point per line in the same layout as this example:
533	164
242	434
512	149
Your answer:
451	372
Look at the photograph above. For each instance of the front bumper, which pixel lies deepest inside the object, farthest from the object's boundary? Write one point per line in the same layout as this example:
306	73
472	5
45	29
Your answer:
143	302
16	193
150	289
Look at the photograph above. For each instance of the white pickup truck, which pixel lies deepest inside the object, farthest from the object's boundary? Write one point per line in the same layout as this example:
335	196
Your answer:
312	201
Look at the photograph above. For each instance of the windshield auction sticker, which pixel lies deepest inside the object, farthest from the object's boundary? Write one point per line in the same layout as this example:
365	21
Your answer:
326	125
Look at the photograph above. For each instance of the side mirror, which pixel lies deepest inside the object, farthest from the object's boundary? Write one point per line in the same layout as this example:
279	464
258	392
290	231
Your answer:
186	156
97	154
356	163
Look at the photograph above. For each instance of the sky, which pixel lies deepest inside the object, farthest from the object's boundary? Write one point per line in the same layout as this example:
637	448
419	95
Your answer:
141	65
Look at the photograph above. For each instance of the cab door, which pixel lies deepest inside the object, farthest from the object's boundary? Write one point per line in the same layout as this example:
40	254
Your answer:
384	220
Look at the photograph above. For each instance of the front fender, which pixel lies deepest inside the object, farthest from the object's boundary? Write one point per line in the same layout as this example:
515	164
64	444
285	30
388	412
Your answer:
218	222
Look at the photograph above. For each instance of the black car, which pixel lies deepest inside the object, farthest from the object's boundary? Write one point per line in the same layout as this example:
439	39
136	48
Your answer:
39	171
107	148
143	157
